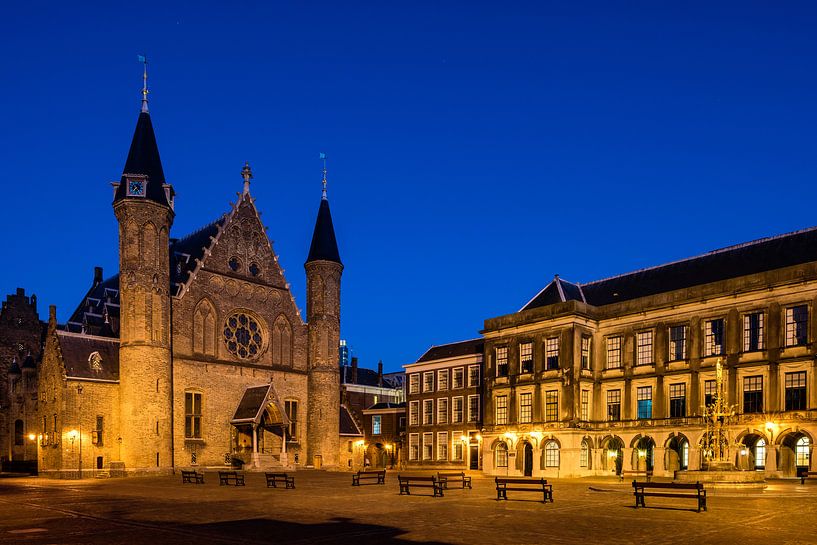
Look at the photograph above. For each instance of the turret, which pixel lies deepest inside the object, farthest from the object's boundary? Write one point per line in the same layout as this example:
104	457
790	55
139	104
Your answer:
323	273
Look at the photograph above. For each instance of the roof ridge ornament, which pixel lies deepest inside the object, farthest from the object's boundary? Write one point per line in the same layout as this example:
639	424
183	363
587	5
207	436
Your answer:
323	170
246	173
143	59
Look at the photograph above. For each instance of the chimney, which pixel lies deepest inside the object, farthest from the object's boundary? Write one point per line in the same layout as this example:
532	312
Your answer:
380	373
354	369
52	316
97	275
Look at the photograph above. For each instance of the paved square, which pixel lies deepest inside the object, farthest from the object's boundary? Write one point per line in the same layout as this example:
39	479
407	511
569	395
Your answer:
325	508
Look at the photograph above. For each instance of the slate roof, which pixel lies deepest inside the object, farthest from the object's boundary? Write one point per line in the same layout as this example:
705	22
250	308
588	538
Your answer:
324	247
76	350
365	377
143	158
252	404
453	350
377	406
754	257
348	426
185	251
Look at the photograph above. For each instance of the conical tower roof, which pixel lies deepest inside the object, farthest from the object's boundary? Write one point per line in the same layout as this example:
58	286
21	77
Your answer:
324	245
143	158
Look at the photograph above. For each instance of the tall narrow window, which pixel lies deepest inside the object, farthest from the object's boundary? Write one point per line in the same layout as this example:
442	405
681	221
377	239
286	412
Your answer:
678	343
442	446
551	454
428	411
501	410
677	400
428	446
753	394
643	348
644	400
473	408
713	337
551	406
428	381
801	452
192	415
414	446
796	391
585	408
584	455
526	357
502	361
710	388
796	325
457	410
456	446
376	424
414	413
525	408
760	454
291	408
613	405
473	376
442	379
19	433
96	435
414	383
613	352
585	352
442	410
458	378
501	454
552	353
753	332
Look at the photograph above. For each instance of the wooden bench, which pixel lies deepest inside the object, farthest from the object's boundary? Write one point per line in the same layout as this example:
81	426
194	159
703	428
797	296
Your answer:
230	477
273	479
378	475
692	491
523	485
192	477
635	473
407	481
459	477
806	475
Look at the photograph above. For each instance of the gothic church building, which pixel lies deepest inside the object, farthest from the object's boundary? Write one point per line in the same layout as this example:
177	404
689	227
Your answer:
195	353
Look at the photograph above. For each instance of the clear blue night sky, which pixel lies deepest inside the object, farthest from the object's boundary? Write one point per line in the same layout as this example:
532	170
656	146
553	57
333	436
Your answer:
474	149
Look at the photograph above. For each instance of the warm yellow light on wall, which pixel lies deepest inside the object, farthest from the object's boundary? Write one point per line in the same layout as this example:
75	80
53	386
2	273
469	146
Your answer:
31	437
537	435
72	435
463	438
612	454
642	453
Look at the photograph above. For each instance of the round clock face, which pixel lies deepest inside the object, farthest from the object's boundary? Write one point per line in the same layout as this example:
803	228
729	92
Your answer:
135	188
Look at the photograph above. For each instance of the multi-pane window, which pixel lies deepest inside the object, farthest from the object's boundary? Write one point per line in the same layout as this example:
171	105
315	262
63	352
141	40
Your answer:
710	389
526	357
442	379
551	454
458	377
456	446
796	391
801	451
753	394
501	454
552	353
551	406
414	413
678	343
414	446
473	408
713	337
414	383
614	352
192	415
501	409
456	410
96	435
585	408
442	410
796	325
753	332
428	446
760	454
613	405
473	376
643	343
291	408
376	424
442	445
584	455
428	411
677	400
525	408
428	381
644	402
585	357
502	361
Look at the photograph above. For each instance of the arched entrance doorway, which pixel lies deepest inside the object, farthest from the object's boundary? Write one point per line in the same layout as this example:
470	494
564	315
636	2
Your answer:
612	449
676	456
643	454
795	454
751	455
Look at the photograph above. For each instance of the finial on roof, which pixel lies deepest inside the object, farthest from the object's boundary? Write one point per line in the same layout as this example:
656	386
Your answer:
323	170
246	173
144	61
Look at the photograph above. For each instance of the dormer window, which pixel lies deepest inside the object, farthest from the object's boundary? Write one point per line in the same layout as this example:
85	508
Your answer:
95	362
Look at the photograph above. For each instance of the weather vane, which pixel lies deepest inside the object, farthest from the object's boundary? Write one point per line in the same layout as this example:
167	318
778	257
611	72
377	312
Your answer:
144	61
323	170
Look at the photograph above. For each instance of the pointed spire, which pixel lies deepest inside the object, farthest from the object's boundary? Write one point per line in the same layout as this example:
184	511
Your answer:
323	170
246	173
145	91
324	245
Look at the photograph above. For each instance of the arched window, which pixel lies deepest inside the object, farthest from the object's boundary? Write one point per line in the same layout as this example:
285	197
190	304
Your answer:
551	454
282	341
204	329
18	432
760	454
584	457
801	452
684	454
501	454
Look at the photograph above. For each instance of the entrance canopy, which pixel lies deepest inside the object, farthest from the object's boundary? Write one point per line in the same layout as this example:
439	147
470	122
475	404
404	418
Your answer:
260	407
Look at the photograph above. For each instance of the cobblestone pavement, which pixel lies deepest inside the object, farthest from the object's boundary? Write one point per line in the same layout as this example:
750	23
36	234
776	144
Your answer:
325	508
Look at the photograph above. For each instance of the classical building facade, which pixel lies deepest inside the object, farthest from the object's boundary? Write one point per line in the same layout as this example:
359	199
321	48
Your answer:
590	379
195	353
444	399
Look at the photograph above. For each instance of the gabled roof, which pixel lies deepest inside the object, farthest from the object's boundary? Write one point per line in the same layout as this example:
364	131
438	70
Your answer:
558	291
255	401
754	257
143	158
453	350
76	351
186	251
348	426
98	312
324	247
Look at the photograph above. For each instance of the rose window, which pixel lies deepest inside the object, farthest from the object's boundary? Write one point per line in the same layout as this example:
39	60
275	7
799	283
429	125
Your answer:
242	335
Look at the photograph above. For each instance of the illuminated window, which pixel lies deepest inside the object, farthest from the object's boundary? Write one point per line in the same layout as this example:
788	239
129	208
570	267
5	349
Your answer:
376	422
585	407
473	376
456	446
551	454
502	361
525	408
291	408
585	352
753	394
584	455
713	337
796	325
710	389
428	381
473	408
414	413
551	406
414	383
643	348
644	400
501	410
801	449
428	446
192	415
242	335
678	343
753	332
442	379
414	446
428	411
613	352
526	357
796	391
760	454
552	353
501	454
442	446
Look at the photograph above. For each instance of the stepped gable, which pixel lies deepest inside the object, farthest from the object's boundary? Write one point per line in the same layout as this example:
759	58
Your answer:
766	254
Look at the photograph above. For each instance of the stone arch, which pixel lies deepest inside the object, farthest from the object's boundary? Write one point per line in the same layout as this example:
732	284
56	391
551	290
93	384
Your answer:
204	328
676	452
643	458
586	452
282	341
551	454
612	447
795	448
